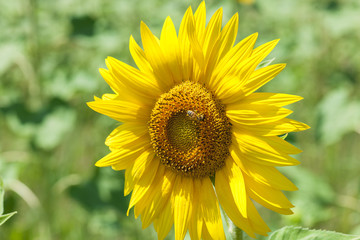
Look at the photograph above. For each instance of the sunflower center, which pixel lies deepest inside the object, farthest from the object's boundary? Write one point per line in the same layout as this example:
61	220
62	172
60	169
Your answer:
182	132
189	131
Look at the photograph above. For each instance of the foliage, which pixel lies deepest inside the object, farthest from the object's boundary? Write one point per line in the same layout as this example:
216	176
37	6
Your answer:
50	54
307	234
3	217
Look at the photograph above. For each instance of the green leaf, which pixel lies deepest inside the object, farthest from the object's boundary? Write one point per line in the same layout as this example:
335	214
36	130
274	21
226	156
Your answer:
339	115
299	233
54	128
1	196
265	63
7	53
284	136
4	218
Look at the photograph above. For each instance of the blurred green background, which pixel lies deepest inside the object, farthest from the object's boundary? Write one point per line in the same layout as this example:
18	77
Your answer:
50	52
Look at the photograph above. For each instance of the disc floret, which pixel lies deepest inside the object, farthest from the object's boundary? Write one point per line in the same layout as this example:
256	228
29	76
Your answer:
189	130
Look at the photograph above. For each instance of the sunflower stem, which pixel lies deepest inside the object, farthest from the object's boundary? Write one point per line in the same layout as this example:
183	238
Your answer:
236	233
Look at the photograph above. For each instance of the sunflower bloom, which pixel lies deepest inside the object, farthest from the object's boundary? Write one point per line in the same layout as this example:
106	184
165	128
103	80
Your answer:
190	115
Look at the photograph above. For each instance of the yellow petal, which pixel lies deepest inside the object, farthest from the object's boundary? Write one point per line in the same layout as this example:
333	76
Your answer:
237	186
237	156
161	191
244	69
129	179
261	76
228	204
164	195
228	35
247	67
210	210
257	149
196	48
121	89
280	144
144	84
234	88
164	222
110	96
181	201
200	21
276	128
254	114
268	197
210	44
186	55
236	55
265	48
269	176
221	47
274	99
252	224
125	134
167	184
170	45
273	144
139	56
256	221
121	159
115	85
139	142
142	179
156	58
151	198
144	164
210	64
205	234
146	217
212	31
129	184
227	87
196	220
120	110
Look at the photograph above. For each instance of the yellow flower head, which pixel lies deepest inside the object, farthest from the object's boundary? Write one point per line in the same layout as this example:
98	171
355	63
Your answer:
190	113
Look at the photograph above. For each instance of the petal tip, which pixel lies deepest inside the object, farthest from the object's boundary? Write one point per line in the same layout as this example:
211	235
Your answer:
90	104
99	164
103	70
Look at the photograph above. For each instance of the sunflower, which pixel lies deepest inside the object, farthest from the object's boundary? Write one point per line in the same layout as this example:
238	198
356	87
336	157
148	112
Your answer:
195	135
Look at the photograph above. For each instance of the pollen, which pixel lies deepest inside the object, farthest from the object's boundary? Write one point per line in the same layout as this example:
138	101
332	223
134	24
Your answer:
189	130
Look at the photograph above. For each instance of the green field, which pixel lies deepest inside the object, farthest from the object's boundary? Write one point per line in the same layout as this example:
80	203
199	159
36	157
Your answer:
50	52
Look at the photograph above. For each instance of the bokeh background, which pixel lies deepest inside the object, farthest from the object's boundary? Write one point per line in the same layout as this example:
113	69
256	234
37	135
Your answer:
50	52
